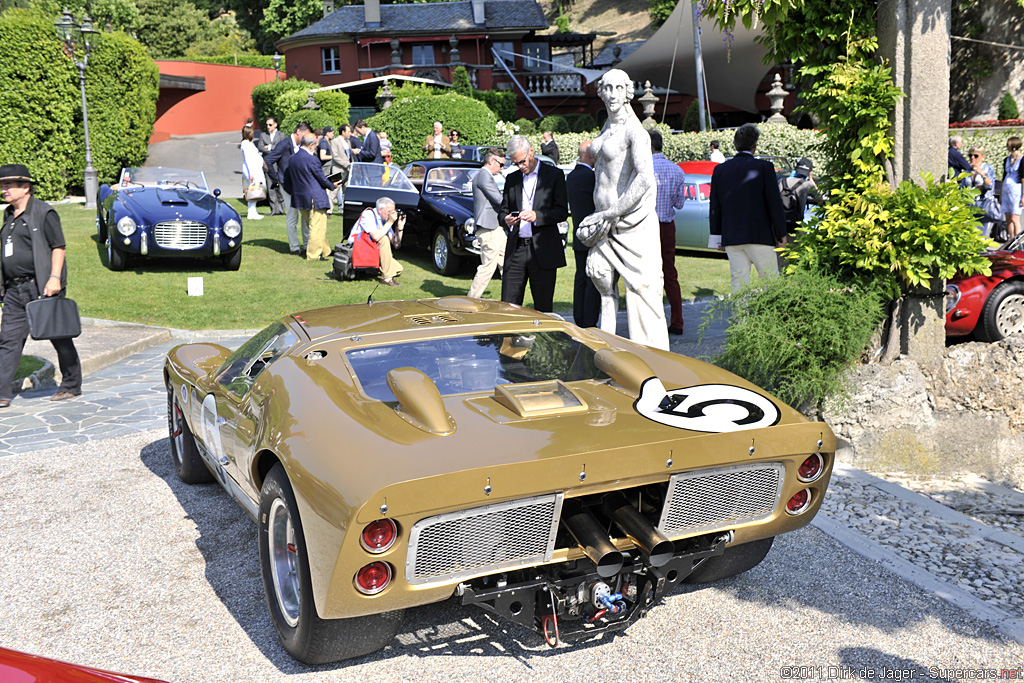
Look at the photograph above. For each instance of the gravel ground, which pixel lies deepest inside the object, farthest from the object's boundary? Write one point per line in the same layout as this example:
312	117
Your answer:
110	561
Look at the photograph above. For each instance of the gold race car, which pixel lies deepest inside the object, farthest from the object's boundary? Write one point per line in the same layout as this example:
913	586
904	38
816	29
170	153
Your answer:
396	454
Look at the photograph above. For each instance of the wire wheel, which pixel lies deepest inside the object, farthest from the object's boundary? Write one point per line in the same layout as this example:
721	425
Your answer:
284	564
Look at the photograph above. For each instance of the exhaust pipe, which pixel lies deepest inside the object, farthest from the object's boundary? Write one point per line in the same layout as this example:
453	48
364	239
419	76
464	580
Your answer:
655	547
595	542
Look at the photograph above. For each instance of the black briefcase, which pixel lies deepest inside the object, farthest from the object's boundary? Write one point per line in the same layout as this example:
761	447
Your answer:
53	318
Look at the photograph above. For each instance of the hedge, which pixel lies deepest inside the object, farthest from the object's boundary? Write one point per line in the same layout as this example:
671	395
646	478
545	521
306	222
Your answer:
315	118
261	61
503	104
40	102
122	108
409	120
282	99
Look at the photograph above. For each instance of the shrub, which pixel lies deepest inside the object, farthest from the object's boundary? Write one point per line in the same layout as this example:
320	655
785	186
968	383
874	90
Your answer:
261	61
554	123
264	96
289	100
40	102
562	21
1008	108
795	336
460	82
410	119
316	118
584	123
122	105
502	103
526	126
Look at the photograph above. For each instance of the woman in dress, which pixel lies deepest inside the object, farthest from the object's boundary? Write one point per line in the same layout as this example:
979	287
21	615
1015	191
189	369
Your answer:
252	169
982	177
1011	187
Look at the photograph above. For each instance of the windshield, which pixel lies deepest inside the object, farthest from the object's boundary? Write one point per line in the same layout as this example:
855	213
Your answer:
450	181
240	370
474	364
160	176
379	175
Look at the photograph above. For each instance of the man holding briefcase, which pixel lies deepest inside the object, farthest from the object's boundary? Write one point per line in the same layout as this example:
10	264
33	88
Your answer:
31	265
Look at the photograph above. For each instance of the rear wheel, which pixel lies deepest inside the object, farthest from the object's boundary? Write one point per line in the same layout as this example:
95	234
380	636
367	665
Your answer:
446	262
232	260
736	560
187	462
284	564
1003	313
116	259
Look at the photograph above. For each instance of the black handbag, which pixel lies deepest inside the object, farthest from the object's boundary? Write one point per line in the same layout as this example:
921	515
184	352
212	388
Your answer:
53	317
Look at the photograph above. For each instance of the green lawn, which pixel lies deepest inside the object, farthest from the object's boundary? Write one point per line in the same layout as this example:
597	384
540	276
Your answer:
272	283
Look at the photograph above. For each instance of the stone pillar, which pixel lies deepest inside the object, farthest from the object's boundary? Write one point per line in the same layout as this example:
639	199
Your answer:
923	325
913	36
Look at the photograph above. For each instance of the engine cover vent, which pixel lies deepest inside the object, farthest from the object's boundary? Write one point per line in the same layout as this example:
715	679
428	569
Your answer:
434	319
708	500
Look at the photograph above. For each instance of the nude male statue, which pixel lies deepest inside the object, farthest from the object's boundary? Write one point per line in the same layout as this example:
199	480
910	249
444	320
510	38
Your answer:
623	231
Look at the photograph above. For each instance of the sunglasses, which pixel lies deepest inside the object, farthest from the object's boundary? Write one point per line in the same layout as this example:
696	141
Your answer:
975	156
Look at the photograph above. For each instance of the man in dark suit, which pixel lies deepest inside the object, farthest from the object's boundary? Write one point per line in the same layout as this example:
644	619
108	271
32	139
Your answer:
269	137
280	157
533	203
586	300
548	146
308	187
957	163
746	209
370	151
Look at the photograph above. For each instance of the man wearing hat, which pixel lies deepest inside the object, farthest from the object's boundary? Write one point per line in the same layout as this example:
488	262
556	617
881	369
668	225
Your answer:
31	266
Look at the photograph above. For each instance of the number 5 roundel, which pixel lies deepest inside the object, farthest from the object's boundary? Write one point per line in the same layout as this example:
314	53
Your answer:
710	408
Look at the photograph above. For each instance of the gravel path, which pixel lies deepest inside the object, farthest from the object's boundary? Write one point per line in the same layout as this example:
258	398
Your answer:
110	561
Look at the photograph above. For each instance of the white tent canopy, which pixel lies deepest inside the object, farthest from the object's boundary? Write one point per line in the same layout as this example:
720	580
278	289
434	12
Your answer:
733	74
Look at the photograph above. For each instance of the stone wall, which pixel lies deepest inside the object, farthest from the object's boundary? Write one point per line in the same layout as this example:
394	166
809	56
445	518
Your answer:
980	73
967	415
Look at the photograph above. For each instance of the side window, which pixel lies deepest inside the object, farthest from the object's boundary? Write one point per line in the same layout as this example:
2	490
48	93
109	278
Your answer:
243	366
330	60
504	50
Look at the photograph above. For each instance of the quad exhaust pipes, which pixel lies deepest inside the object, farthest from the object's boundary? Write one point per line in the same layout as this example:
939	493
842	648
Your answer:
655	548
594	541
654	545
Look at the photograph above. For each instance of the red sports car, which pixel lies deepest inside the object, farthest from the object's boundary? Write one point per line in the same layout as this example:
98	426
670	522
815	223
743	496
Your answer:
19	667
989	306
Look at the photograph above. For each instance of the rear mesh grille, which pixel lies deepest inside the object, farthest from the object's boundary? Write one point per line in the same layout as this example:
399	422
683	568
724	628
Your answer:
433	319
482	540
180	234
707	500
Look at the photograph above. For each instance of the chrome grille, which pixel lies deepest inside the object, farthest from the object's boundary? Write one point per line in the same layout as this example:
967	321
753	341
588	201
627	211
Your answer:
707	500
482	540
180	234
432	319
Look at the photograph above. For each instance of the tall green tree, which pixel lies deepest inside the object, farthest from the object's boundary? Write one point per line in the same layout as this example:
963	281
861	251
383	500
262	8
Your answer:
282	18
168	27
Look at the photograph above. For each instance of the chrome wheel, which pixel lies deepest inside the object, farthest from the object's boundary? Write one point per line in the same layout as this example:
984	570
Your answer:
1010	315
284	564
177	434
440	252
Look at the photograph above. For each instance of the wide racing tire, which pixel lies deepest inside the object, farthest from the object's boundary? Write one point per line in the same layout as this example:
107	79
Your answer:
1003	312
736	560
188	463
284	564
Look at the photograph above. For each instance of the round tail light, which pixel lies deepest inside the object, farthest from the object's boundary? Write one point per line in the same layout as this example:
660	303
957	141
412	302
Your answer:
373	578
799	502
811	468
379	535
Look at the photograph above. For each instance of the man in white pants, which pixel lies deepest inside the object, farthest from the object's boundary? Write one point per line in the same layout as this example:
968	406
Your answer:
746	210
491	236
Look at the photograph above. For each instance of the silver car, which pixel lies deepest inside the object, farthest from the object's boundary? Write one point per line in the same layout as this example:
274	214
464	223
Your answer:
692	222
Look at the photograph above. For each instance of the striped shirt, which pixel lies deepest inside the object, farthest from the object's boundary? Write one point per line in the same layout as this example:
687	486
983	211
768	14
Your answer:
670	180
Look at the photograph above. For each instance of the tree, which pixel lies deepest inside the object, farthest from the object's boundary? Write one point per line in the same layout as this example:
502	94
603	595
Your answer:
284	17
168	27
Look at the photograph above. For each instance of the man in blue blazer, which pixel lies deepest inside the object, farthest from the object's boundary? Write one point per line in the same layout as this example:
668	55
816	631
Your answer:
370	151
746	209
586	300
533	203
280	157
308	187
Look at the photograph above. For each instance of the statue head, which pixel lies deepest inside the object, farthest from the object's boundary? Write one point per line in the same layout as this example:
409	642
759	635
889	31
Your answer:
615	88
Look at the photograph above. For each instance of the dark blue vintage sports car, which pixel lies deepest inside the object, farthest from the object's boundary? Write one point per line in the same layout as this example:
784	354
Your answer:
167	212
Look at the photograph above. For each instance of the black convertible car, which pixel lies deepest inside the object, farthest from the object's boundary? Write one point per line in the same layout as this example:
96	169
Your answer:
436	196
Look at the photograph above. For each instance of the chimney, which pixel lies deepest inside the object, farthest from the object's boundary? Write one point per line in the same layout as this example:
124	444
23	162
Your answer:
328	7
372	13
478	13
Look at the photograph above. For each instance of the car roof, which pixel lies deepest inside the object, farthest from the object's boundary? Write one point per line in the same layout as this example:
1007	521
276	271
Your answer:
413	315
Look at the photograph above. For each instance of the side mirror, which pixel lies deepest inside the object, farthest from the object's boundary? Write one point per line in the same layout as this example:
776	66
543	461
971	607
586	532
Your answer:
216	192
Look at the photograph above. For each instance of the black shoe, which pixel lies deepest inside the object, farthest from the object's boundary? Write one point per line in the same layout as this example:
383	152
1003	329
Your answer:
675	330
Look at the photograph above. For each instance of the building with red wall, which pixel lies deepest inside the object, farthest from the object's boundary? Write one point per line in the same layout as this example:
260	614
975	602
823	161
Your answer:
204	98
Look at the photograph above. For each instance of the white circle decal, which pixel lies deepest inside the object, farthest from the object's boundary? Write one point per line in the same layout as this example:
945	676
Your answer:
706	407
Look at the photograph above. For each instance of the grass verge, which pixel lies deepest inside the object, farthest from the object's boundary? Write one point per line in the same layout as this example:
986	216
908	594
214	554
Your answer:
27	365
272	283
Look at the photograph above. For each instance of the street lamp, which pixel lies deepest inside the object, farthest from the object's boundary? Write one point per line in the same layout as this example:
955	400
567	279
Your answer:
277	65
73	35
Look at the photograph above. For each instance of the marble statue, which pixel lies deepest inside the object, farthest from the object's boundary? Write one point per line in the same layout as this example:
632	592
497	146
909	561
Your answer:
623	231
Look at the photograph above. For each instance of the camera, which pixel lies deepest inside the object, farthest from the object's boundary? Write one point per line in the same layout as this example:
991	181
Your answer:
399	213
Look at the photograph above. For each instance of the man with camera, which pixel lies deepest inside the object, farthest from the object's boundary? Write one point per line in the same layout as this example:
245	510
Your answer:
384	225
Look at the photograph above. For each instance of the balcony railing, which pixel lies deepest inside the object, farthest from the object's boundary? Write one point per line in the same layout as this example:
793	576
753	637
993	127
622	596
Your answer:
542	84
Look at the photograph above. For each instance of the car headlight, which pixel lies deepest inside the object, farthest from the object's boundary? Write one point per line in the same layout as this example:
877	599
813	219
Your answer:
469	226
952	297
126	226
232	228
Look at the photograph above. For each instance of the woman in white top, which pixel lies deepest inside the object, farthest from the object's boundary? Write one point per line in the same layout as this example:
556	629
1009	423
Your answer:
252	169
